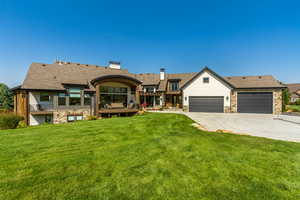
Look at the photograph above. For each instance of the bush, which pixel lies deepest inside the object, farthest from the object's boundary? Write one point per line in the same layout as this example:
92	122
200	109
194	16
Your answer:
298	102
22	124
91	117
9	121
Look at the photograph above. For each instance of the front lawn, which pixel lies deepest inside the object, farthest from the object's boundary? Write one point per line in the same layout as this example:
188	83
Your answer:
153	156
295	108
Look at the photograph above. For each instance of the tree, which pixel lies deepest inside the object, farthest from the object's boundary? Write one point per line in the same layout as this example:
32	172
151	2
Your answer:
285	98
6	98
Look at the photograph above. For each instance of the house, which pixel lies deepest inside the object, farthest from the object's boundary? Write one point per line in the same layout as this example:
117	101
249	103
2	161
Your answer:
294	89
65	92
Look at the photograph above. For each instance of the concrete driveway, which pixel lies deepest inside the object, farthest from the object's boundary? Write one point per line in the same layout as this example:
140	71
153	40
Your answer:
278	127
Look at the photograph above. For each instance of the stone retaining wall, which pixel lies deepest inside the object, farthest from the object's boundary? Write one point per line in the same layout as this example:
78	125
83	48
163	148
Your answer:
61	116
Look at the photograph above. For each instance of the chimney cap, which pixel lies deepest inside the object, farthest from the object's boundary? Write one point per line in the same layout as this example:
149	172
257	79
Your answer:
114	62
162	69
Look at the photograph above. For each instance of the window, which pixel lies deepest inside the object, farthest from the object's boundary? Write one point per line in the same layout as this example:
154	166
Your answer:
75	96
174	86
61	99
109	95
45	97
149	89
48	119
72	118
205	80
87	99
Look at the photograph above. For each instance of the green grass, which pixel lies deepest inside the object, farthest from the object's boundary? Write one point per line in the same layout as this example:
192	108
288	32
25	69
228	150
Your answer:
295	108
153	156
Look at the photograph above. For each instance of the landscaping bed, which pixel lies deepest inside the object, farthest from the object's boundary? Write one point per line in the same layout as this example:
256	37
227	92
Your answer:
151	156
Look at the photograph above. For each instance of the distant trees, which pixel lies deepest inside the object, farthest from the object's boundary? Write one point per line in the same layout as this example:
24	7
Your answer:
6	97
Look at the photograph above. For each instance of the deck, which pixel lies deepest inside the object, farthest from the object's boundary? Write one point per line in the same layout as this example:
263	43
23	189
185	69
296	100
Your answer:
119	110
41	112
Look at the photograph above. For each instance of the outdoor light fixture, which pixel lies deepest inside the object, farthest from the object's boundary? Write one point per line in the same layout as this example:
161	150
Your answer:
227	98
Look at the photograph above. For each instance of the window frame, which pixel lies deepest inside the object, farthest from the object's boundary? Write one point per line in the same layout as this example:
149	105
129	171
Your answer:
89	97
59	97
172	85
70	93
205	80
43	94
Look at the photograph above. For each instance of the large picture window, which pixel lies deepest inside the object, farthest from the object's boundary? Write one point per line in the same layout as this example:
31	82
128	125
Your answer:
75	96
109	95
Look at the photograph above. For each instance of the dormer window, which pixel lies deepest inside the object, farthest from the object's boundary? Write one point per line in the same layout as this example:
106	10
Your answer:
174	86
149	89
206	80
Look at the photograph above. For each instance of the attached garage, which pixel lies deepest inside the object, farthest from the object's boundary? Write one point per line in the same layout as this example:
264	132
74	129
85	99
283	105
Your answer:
255	102
206	104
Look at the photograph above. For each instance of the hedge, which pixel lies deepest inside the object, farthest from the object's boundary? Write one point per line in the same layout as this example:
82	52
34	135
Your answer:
9	120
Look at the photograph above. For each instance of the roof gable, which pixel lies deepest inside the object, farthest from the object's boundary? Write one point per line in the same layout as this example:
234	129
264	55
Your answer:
211	72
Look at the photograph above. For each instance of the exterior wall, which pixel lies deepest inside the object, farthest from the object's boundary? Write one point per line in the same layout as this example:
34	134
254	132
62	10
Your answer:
36	119
277	99
61	115
214	88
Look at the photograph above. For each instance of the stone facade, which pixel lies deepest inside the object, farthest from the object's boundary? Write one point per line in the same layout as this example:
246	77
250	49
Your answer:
277	102
61	115
233	102
227	109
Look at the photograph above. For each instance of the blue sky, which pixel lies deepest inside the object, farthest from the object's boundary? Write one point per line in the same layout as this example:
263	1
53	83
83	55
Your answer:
232	37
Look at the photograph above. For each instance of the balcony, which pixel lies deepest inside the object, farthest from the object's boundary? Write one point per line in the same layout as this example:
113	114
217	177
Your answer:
41	109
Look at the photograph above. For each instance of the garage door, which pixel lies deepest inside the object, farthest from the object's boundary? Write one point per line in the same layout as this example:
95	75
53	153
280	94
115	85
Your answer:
206	104
255	102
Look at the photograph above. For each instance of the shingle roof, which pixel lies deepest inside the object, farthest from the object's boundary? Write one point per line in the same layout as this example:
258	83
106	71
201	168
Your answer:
54	76
254	82
294	87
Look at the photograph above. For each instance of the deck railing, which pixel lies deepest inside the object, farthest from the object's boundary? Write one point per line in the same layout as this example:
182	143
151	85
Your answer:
40	107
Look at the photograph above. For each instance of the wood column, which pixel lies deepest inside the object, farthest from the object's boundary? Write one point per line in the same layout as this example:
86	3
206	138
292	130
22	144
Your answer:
137	95
97	100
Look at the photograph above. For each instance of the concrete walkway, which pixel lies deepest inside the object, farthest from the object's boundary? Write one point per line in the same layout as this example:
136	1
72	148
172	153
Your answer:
280	127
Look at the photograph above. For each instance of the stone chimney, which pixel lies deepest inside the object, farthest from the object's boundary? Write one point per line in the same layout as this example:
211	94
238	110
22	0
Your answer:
114	65
162	74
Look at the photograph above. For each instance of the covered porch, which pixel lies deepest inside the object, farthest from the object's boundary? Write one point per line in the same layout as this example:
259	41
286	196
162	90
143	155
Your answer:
116	95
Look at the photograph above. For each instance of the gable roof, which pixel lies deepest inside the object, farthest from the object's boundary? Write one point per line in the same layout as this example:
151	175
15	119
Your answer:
244	82
206	69
53	77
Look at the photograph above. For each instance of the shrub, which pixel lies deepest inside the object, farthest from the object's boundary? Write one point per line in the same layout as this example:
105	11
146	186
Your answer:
91	117
9	121
22	124
298	102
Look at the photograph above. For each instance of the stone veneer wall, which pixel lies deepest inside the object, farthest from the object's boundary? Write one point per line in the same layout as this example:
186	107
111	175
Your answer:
277	100
233	102
61	115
